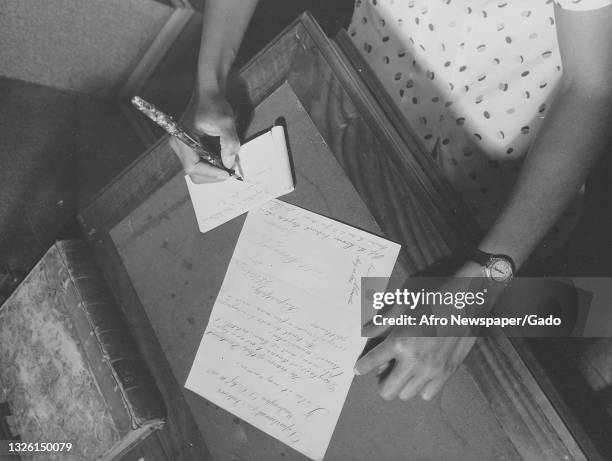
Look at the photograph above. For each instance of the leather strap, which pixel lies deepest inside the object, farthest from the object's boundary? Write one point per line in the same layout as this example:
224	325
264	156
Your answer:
482	258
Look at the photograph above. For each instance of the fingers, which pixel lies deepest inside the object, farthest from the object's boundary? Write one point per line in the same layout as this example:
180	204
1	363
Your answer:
230	145
406	378
216	118
186	155
431	389
225	129
409	366
392	384
201	173
208	114
384	369
413	386
377	357
198	171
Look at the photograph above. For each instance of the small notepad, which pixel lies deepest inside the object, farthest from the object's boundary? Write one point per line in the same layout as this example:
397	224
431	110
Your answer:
264	163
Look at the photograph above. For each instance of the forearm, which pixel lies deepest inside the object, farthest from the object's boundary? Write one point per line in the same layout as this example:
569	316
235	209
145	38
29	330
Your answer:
574	135
224	24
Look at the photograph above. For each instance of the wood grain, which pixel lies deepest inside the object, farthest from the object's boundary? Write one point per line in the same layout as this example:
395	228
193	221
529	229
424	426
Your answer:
530	420
561	410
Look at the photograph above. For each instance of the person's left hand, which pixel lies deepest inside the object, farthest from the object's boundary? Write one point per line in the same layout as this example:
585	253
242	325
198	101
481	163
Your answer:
407	365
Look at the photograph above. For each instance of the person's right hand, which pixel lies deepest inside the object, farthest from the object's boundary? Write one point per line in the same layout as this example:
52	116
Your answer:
209	114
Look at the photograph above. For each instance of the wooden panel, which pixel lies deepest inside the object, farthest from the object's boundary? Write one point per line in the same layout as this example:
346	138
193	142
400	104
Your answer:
553	398
530	420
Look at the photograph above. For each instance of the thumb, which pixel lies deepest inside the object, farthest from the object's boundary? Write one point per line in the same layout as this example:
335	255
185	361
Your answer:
230	145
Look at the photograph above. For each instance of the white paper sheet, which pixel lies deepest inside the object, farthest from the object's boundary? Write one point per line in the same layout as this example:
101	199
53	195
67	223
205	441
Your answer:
264	161
284	333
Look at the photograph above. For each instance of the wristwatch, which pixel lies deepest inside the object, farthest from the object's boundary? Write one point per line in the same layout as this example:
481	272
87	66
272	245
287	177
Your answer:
497	267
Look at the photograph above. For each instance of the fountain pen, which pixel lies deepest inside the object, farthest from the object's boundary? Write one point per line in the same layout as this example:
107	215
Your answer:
174	129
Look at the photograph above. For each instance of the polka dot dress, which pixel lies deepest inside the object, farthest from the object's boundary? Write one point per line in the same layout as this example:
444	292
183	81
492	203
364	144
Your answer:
473	78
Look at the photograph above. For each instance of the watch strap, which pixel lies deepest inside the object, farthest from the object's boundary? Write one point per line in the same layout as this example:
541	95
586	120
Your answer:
483	258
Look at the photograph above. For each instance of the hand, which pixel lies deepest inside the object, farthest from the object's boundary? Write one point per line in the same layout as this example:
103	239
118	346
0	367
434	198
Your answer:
417	365
407	365
208	113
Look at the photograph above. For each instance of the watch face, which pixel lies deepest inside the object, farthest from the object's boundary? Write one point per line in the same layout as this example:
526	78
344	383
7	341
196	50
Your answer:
499	270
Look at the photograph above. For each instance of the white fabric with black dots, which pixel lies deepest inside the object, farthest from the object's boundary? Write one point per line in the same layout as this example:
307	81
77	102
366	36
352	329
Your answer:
474	77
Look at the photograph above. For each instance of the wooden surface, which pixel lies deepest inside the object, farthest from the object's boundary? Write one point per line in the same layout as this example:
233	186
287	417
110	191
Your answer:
528	416
169	262
394	184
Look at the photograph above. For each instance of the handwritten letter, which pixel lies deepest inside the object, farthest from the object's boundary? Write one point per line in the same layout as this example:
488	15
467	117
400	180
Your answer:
284	333
264	161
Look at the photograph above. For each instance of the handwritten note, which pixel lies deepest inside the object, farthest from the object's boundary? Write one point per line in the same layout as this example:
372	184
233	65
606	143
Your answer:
264	162
284	333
